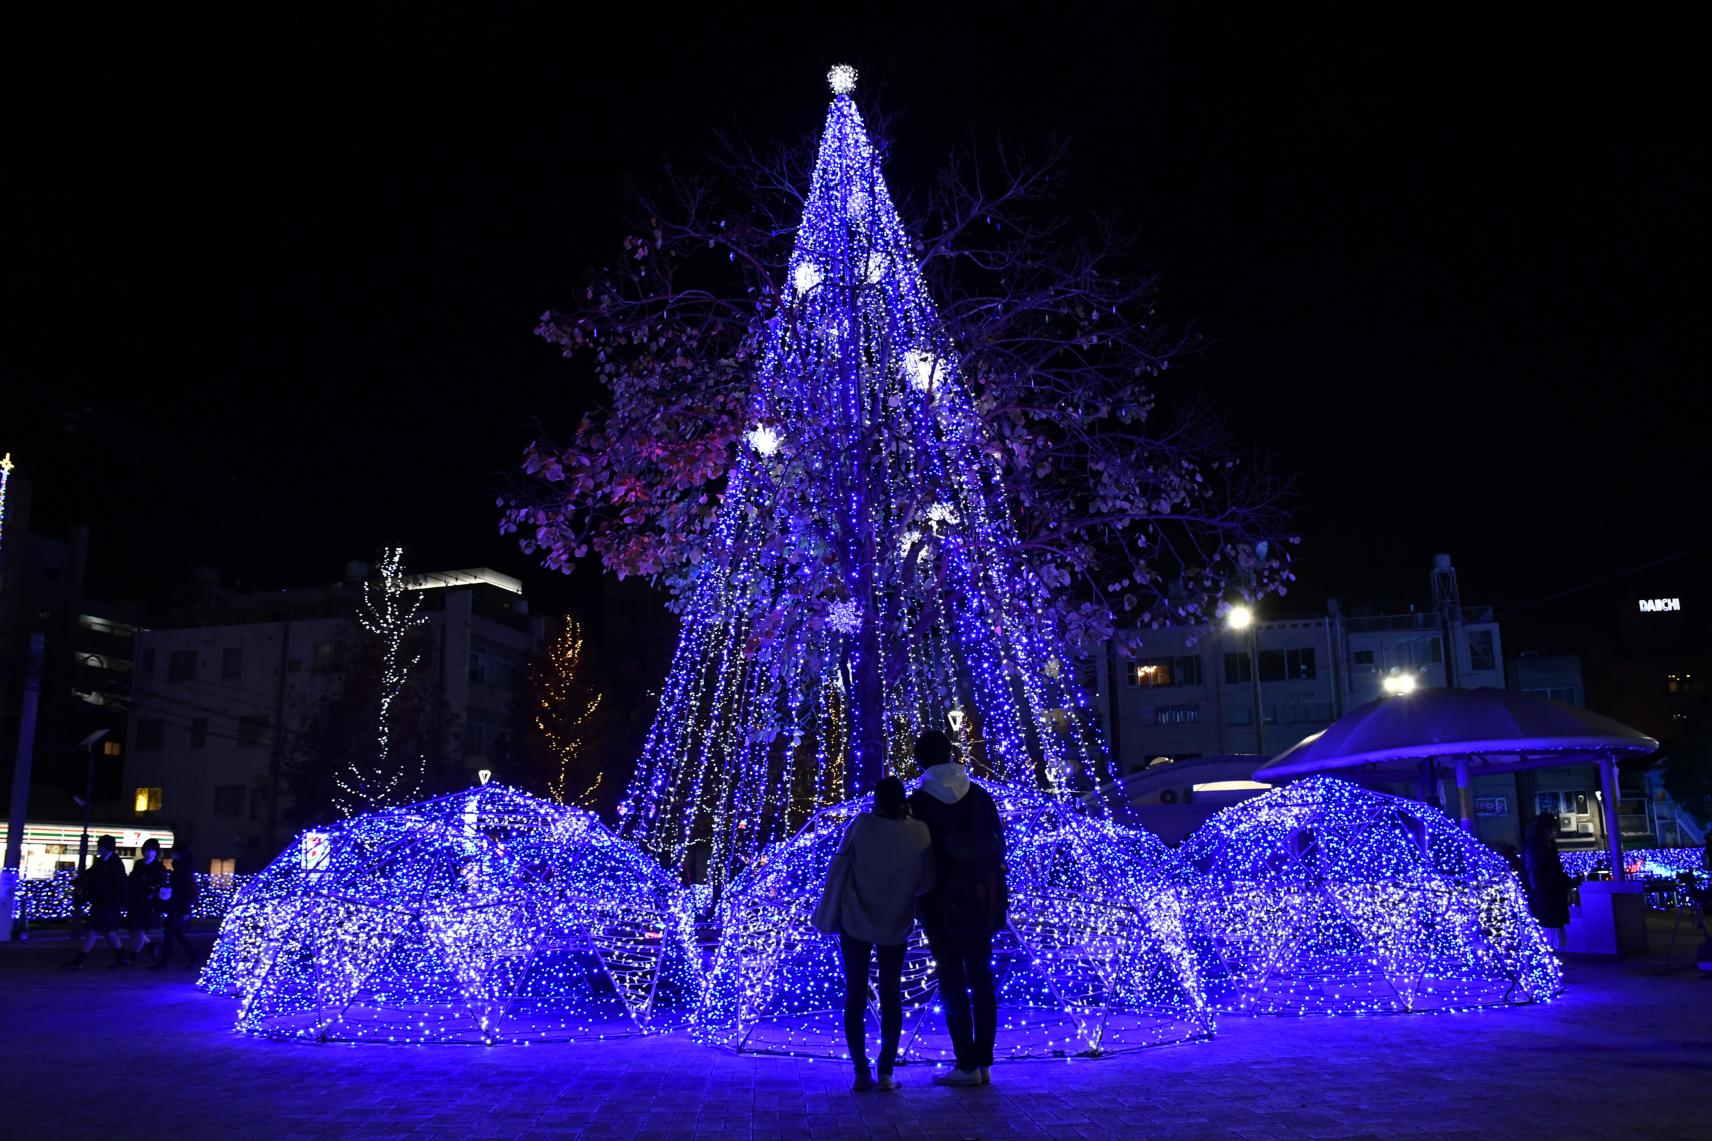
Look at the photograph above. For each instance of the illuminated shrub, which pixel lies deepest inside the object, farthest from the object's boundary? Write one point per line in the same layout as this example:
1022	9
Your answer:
485	916
1322	897
1093	958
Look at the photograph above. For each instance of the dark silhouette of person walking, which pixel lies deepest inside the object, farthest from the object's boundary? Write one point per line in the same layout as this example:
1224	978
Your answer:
179	896
883	863
967	905
148	877
104	886
1547	883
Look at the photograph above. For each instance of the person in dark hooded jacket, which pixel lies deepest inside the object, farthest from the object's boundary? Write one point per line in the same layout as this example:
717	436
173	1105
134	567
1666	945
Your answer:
180	898
104	887
148	877
1546	884
967	904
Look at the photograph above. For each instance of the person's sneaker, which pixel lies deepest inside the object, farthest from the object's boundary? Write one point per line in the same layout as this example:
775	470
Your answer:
864	1079
958	1078
887	1085
986	1073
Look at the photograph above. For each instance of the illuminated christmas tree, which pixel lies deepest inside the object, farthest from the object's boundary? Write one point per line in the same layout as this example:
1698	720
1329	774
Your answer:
865	582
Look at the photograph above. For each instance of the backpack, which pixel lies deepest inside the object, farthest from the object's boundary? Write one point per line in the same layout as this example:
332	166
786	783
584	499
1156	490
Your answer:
973	893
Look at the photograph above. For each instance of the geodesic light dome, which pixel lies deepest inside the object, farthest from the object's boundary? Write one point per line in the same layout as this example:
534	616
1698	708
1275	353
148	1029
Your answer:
1322	897
485	916
1093	957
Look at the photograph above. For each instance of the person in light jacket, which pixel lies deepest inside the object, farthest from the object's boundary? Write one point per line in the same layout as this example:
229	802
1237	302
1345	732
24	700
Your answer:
883	863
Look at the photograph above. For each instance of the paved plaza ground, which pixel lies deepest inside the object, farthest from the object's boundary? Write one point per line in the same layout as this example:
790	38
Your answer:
1625	1053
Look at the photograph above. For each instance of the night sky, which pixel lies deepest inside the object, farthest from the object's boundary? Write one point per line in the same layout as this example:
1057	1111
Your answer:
271	281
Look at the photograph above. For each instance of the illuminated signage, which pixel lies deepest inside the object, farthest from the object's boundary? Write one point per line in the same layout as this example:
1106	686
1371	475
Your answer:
1659	605
316	849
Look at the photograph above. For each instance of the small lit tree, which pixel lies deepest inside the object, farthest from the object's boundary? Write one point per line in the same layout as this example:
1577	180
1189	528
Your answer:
562	705
389	612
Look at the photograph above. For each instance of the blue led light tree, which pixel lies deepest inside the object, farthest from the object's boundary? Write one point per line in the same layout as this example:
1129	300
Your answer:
1094	957
486	916
864	581
1322	897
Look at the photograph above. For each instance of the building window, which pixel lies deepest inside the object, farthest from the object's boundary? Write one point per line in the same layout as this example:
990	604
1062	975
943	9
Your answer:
148	800
111	748
1481	655
1242	713
1236	669
494	665
151	734
1425	651
232	663
252	730
199	732
1299	664
1362	657
1308	713
1189	670
1272	665
225	868
1153	672
181	666
325	659
228	801
1564	693
1683	683
146	663
1189	713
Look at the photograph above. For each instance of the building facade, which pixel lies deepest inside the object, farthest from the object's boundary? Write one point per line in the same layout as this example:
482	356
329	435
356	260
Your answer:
1191	693
221	690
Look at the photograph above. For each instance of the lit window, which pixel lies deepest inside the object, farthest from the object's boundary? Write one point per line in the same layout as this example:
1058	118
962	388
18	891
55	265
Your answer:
148	800
224	868
111	748
1153	671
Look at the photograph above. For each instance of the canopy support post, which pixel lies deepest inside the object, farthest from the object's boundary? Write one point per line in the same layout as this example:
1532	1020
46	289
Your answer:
1464	797
1613	830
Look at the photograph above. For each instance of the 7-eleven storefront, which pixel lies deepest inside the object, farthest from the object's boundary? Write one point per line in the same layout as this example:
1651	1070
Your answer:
52	847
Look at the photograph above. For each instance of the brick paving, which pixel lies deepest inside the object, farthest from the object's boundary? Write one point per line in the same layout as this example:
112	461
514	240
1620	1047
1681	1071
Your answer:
1626	1053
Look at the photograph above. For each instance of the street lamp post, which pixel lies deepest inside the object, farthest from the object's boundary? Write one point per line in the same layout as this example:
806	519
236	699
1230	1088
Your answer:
1242	618
88	745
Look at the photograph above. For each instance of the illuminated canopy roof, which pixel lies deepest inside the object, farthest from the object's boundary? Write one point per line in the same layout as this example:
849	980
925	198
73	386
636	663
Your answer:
1496	730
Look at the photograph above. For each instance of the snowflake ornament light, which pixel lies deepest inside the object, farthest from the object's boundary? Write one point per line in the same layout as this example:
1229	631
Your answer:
805	277
845	616
923	369
763	439
842	79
